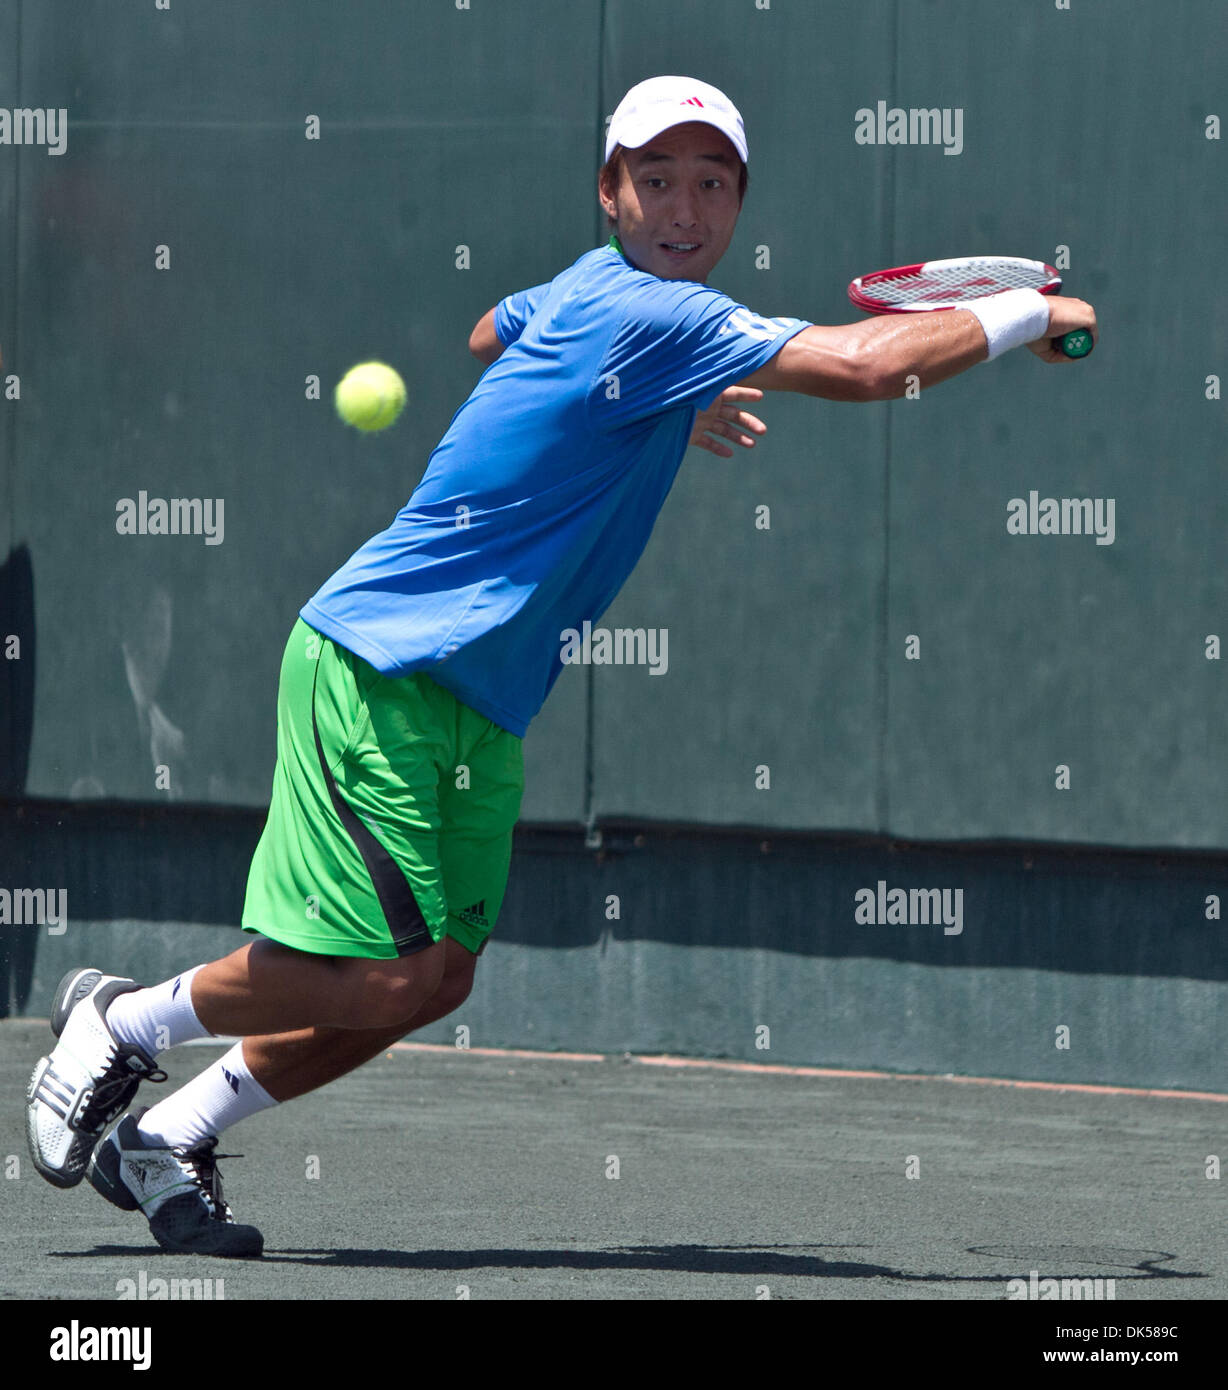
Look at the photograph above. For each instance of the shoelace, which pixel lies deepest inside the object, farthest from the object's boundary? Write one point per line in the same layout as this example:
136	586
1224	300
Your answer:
202	1159
113	1090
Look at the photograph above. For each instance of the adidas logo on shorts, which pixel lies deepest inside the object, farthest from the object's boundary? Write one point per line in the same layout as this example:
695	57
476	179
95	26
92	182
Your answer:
475	915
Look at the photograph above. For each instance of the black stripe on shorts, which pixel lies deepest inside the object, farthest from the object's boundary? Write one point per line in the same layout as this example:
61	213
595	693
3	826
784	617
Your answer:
406	923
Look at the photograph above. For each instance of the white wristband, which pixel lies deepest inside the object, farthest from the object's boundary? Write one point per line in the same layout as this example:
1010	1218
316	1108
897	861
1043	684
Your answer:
1011	318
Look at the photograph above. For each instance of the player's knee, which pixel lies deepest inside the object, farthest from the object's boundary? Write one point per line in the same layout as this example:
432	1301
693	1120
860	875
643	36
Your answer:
452	993
394	996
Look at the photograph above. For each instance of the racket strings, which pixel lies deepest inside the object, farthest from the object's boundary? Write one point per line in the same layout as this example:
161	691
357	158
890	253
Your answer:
944	283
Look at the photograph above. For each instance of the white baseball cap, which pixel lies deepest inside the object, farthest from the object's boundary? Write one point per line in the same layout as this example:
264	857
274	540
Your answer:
661	102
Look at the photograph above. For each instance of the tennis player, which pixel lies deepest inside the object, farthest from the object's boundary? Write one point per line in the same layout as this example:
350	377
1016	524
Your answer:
410	678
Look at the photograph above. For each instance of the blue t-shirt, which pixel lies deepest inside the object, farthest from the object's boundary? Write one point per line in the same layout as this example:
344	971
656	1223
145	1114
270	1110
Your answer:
540	498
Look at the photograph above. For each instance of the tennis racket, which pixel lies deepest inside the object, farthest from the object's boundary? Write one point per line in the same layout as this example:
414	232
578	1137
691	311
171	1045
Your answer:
912	289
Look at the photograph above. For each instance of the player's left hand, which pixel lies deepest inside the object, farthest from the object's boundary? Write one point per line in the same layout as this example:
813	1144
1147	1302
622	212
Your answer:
724	419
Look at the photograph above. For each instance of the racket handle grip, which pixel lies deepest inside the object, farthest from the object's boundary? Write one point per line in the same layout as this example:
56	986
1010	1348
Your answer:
1074	344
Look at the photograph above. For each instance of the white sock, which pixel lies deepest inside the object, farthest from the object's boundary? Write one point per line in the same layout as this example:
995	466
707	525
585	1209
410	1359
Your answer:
159	1017
221	1096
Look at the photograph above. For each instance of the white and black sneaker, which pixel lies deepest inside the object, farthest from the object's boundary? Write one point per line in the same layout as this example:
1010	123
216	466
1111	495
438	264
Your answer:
178	1189
89	1079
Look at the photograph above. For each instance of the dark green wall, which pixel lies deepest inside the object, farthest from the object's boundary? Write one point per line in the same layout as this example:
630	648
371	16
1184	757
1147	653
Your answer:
481	127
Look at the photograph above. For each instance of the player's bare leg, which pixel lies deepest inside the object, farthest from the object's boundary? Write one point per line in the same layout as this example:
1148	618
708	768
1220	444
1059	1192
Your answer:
291	1064
268	988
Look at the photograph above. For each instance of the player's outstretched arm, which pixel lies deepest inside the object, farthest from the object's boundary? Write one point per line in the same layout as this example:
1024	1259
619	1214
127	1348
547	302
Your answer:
874	360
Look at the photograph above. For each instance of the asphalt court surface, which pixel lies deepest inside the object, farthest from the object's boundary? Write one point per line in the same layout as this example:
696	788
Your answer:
444	1174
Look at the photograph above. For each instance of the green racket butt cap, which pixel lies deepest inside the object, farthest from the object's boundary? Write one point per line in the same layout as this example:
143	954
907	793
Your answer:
1078	344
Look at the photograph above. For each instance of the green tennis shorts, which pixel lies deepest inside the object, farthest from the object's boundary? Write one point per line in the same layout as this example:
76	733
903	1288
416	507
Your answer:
391	818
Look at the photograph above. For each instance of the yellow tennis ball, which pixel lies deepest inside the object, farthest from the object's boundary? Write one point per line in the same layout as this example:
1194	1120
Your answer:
370	396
